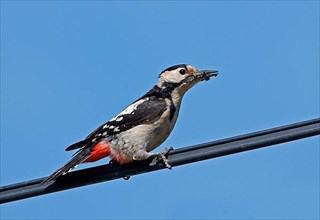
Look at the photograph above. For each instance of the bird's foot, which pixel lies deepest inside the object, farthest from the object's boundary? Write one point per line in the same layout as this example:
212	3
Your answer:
162	156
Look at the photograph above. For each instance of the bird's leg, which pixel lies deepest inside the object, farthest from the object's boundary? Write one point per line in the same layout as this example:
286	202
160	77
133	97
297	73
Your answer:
142	155
162	156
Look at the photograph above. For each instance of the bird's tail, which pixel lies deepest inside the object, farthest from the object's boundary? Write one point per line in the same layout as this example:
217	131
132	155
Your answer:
83	155
75	161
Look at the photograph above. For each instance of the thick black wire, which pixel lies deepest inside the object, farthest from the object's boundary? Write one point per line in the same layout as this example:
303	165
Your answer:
176	157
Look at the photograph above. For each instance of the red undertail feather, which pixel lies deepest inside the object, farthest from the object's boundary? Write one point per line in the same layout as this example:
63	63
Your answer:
98	152
120	159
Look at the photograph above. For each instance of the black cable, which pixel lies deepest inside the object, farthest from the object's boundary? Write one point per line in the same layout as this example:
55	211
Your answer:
176	157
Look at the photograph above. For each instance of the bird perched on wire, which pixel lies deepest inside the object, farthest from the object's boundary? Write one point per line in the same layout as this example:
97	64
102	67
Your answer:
142	126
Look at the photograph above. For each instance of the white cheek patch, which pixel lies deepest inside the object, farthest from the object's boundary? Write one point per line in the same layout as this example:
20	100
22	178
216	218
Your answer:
173	76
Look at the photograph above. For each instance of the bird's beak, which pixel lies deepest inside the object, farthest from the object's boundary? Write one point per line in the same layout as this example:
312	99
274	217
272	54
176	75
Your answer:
205	74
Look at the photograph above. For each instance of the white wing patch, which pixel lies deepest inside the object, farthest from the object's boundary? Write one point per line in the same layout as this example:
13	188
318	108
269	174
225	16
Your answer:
119	118
129	110
127	120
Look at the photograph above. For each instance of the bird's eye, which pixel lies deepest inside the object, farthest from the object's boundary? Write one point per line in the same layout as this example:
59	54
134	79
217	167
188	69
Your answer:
182	71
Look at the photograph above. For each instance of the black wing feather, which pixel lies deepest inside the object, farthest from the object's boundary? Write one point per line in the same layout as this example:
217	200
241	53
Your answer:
145	113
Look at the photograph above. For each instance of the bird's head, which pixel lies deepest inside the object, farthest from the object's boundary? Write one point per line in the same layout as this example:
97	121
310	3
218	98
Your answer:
182	77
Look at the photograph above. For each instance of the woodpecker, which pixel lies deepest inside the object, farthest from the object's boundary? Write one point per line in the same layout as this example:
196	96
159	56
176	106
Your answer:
142	126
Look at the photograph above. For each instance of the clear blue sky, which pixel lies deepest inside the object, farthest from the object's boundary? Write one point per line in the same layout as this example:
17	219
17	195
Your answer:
67	67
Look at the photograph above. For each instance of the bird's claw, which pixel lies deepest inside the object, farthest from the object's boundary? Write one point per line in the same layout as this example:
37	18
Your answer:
162	156
167	150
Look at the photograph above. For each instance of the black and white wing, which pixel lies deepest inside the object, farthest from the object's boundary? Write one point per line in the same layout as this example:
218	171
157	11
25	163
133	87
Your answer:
145	110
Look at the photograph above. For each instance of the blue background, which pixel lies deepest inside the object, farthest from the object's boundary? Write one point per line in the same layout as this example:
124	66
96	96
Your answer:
67	67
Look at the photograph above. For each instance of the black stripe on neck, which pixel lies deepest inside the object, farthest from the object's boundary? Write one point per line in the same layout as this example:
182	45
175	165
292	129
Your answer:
164	92
168	87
